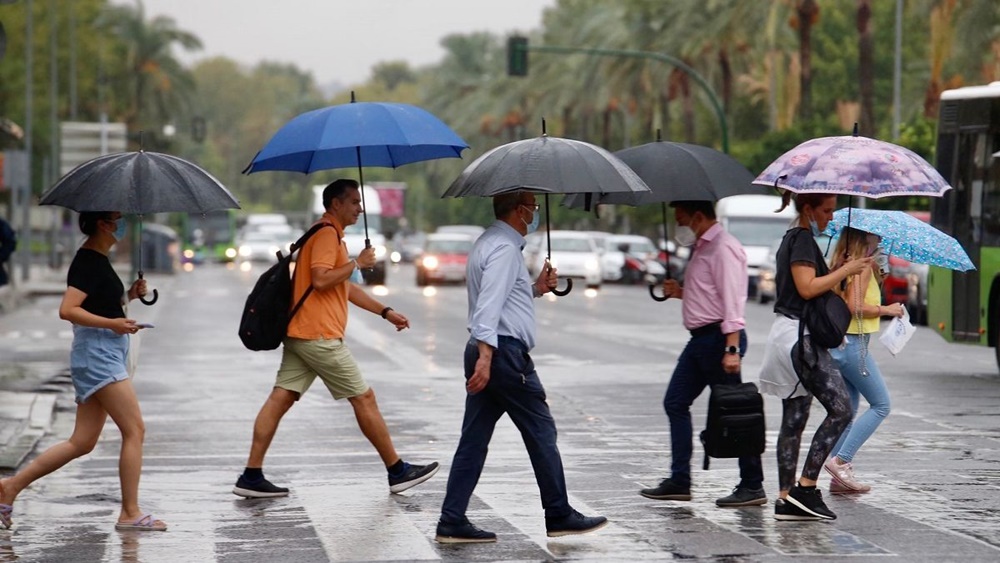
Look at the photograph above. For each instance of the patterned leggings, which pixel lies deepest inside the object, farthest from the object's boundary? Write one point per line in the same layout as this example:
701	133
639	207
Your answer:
824	382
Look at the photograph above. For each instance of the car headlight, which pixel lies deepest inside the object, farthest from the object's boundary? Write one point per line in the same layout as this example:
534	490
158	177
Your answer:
273	249
188	253
766	275
591	265
430	262
245	250
380	250
230	253
395	257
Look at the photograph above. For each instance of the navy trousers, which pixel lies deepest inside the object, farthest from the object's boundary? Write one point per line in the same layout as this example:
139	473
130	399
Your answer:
514	389
700	366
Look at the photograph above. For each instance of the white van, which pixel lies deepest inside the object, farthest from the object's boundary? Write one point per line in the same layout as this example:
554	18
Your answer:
354	235
753	221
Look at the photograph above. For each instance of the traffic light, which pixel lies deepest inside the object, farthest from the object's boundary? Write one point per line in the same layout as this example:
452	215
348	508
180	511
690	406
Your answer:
517	56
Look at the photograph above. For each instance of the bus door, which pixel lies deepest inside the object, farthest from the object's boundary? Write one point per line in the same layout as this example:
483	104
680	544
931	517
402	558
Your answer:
972	160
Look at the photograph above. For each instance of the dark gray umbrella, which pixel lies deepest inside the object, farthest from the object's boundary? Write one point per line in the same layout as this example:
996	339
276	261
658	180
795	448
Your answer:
546	165
677	172
139	183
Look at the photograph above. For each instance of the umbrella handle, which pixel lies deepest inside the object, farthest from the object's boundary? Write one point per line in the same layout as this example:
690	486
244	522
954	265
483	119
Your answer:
652	293
156	295
562	292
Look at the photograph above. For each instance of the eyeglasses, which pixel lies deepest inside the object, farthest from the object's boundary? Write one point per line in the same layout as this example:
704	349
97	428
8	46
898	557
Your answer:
532	206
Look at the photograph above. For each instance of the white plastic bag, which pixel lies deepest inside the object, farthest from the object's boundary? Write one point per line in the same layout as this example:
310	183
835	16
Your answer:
898	333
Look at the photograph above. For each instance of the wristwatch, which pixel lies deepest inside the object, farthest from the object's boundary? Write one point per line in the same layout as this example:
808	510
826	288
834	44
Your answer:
732	350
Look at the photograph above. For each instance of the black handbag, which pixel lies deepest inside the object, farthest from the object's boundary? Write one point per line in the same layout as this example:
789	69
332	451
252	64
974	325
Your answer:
827	318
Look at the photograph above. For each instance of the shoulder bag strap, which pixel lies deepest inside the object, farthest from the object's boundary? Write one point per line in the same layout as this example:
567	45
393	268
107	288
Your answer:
295	247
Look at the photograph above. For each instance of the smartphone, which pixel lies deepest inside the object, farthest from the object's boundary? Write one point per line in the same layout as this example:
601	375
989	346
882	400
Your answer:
144	325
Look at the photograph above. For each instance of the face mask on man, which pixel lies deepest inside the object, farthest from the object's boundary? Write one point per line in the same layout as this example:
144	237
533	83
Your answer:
120	229
533	225
685	235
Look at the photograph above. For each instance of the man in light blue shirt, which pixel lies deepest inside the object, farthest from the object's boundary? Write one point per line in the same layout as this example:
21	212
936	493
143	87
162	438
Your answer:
501	377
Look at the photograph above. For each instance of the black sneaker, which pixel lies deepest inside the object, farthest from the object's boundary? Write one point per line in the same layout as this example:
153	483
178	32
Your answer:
465	532
743	496
412	476
810	501
574	523
668	490
258	489
788	512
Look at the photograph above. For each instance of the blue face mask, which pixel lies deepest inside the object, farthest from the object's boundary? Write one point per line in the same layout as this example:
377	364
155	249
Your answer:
814	228
120	228
533	225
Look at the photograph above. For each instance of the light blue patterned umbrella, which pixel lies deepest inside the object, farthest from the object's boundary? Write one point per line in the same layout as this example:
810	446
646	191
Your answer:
904	236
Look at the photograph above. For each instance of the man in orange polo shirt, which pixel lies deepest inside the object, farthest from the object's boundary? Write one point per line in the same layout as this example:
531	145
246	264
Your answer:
315	347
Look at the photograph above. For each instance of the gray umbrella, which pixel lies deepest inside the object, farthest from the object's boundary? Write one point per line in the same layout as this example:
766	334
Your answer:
677	172
139	183
546	165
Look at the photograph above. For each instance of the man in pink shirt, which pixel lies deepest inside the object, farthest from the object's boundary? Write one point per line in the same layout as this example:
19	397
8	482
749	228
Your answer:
714	299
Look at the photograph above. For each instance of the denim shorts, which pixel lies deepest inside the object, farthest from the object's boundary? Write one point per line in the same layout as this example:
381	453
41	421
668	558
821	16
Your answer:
96	359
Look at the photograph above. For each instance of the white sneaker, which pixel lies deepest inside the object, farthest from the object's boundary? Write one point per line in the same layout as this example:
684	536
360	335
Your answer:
843	478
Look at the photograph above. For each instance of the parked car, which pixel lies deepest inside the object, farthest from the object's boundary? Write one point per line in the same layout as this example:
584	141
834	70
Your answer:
894	285
574	255
444	258
630	259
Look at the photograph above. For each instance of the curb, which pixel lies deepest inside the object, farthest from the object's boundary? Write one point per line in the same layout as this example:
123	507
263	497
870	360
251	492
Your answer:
24	420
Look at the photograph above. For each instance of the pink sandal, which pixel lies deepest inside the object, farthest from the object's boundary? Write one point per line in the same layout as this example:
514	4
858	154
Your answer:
145	523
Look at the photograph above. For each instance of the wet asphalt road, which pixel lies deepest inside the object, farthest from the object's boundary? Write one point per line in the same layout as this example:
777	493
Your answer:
934	464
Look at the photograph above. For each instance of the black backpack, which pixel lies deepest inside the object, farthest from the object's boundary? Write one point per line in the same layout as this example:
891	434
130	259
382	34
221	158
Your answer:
735	422
266	313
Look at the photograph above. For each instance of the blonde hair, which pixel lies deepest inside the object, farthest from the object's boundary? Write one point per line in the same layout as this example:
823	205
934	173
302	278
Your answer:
852	244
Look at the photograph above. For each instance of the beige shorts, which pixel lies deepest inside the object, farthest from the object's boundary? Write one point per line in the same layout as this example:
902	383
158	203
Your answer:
303	360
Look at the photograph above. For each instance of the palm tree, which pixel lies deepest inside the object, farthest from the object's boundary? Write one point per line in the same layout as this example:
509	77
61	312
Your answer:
806	16
153	82
866	68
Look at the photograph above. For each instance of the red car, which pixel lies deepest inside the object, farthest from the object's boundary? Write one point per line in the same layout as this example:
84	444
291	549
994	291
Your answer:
444	259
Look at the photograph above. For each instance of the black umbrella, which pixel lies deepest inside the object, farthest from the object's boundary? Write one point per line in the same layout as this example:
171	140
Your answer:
677	172
139	183
546	165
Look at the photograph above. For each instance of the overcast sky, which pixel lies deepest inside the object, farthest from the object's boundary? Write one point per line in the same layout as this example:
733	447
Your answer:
339	40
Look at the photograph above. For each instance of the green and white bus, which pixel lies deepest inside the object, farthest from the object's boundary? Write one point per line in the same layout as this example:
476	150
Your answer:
965	306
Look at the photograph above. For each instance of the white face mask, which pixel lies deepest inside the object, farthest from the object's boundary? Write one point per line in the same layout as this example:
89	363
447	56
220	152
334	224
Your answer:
685	235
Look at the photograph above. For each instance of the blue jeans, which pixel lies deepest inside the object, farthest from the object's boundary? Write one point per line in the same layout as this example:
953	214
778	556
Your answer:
514	389
871	386
700	366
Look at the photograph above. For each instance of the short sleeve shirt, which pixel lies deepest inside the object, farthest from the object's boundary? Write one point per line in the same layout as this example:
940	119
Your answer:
323	314
91	273
798	245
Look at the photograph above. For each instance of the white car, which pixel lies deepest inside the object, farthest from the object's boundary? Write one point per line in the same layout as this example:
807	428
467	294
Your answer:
262	246
638	247
574	255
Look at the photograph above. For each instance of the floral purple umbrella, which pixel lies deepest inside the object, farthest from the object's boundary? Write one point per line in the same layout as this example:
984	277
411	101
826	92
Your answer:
854	166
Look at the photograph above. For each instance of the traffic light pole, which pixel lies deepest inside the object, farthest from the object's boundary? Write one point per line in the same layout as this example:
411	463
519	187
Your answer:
679	64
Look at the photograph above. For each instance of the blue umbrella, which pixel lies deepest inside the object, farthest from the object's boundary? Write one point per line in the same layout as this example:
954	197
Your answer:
905	236
358	134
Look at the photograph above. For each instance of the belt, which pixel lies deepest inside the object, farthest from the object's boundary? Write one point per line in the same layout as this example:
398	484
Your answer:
711	328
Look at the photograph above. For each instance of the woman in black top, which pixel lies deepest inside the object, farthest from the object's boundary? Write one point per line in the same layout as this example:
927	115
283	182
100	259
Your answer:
801	275
93	302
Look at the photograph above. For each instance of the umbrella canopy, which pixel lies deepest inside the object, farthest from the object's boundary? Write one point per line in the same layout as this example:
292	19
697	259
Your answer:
358	134
855	166
679	172
548	165
905	236
139	183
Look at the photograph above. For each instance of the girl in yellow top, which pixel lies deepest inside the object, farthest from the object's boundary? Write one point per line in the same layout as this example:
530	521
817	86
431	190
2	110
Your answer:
864	299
